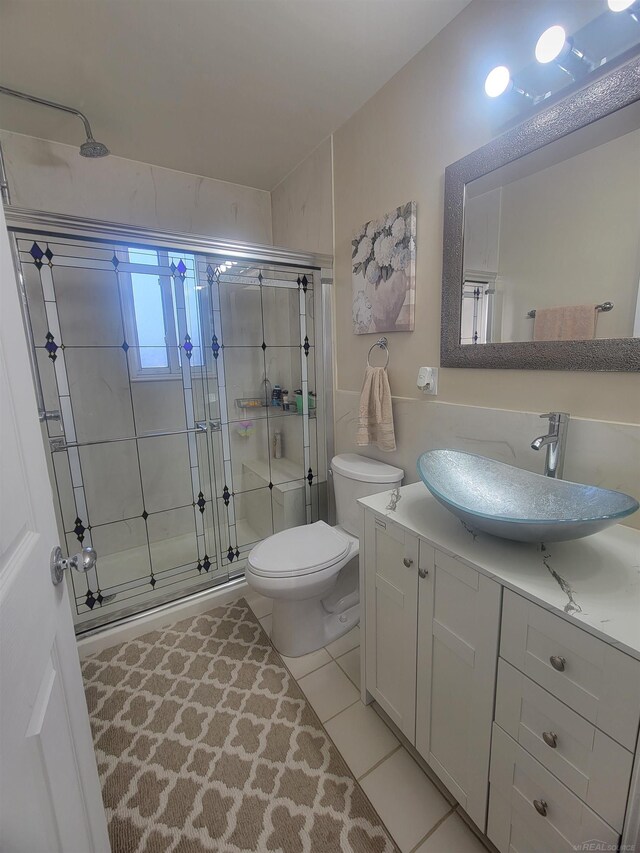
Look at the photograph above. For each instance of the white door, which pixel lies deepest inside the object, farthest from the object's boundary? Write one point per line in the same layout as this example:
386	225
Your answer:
49	790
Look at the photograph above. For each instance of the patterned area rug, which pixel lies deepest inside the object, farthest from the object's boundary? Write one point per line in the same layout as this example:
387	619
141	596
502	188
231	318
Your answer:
205	742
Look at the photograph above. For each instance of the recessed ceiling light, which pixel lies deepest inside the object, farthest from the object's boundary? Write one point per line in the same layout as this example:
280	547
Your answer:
620	5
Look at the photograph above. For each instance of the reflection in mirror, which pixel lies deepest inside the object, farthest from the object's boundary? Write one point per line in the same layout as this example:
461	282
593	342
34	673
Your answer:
553	234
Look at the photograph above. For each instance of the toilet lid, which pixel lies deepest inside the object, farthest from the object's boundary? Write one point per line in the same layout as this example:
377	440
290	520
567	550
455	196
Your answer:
299	551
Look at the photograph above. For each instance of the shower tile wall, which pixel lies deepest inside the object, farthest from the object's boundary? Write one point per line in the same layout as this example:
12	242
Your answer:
170	514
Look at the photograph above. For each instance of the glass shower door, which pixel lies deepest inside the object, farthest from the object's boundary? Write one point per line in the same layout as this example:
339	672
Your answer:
183	412
272	425
118	335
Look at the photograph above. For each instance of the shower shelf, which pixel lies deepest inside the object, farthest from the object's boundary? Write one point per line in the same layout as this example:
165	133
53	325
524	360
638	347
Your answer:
252	403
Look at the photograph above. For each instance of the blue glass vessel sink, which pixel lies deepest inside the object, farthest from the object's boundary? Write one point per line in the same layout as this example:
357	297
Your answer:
516	504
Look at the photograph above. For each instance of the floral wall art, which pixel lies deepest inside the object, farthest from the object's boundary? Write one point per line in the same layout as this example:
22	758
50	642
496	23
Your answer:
383	262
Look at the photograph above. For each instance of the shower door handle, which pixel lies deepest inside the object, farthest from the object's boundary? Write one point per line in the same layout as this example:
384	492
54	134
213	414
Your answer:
82	562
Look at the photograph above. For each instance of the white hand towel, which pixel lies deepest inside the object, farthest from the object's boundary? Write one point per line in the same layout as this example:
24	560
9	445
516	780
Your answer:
375	425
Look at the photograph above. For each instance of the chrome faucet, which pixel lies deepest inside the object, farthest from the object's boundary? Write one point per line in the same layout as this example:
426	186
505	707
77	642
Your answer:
555	442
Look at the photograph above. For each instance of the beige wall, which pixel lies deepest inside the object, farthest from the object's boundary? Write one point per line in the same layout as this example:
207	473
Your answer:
585	212
395	149
49	176
302	204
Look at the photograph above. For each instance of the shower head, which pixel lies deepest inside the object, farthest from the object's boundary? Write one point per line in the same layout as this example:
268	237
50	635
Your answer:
90	148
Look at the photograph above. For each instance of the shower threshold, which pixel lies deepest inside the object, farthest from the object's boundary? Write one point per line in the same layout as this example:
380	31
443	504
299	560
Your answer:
131	615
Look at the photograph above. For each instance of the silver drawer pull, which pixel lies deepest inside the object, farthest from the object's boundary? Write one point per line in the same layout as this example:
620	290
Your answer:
541	807
550	738
408	562
423	573
557	662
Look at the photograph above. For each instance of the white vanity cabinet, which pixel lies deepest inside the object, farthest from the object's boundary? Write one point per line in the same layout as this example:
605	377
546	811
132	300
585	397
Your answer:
458	626
514	670
391	618
431	645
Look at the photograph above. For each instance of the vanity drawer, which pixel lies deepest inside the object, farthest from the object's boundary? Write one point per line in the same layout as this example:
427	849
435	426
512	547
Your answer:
589	762
598	681
520	786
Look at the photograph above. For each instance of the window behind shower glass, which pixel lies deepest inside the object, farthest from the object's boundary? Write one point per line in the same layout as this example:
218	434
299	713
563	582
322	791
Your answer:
150	305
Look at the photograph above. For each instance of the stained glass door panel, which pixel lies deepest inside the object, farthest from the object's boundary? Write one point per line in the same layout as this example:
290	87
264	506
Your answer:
185	416
270	402
118	333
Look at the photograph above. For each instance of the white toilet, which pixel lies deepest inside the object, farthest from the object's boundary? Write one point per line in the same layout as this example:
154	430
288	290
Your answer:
311	571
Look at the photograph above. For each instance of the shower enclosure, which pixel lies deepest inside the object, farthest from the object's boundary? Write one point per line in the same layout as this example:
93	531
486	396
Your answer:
182	399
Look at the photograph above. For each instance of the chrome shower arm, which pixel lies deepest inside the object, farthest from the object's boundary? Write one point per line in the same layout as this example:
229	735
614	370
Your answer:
25	97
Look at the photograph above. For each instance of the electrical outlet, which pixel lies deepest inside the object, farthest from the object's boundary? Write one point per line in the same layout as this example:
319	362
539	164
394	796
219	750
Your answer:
428	380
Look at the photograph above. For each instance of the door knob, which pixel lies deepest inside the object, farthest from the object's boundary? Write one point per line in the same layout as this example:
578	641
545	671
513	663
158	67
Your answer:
408	562
541	807
557	662
82	562
550	738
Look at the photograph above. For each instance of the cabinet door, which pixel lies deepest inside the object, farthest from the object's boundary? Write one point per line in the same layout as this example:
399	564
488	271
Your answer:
459	619
391	599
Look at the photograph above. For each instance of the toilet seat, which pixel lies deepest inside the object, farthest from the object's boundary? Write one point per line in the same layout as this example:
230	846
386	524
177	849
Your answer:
299	551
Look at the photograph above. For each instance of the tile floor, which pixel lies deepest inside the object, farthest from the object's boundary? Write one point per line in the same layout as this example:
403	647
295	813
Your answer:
416	814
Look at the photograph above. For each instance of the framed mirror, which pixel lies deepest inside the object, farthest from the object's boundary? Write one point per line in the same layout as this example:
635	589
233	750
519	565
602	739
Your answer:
541	266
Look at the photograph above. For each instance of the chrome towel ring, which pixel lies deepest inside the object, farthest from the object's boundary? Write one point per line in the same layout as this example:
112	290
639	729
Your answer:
382	343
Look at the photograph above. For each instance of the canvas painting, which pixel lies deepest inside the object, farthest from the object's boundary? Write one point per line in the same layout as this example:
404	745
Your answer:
383	262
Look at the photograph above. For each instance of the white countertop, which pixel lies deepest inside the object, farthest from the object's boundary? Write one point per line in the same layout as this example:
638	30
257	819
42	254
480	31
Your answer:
593	582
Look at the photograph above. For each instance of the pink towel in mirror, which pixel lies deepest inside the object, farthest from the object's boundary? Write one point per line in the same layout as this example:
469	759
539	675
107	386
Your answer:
565	323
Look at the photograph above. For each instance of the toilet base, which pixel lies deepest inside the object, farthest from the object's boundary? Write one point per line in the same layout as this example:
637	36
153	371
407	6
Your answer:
301	627
298	629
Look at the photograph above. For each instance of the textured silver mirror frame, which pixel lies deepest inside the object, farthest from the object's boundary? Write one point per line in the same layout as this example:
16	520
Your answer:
610	92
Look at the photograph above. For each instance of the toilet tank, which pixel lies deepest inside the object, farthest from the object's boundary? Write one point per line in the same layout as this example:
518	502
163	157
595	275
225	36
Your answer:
354	477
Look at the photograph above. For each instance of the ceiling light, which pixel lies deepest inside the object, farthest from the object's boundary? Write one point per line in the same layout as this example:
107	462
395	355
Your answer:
552	44
630	6
498	81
